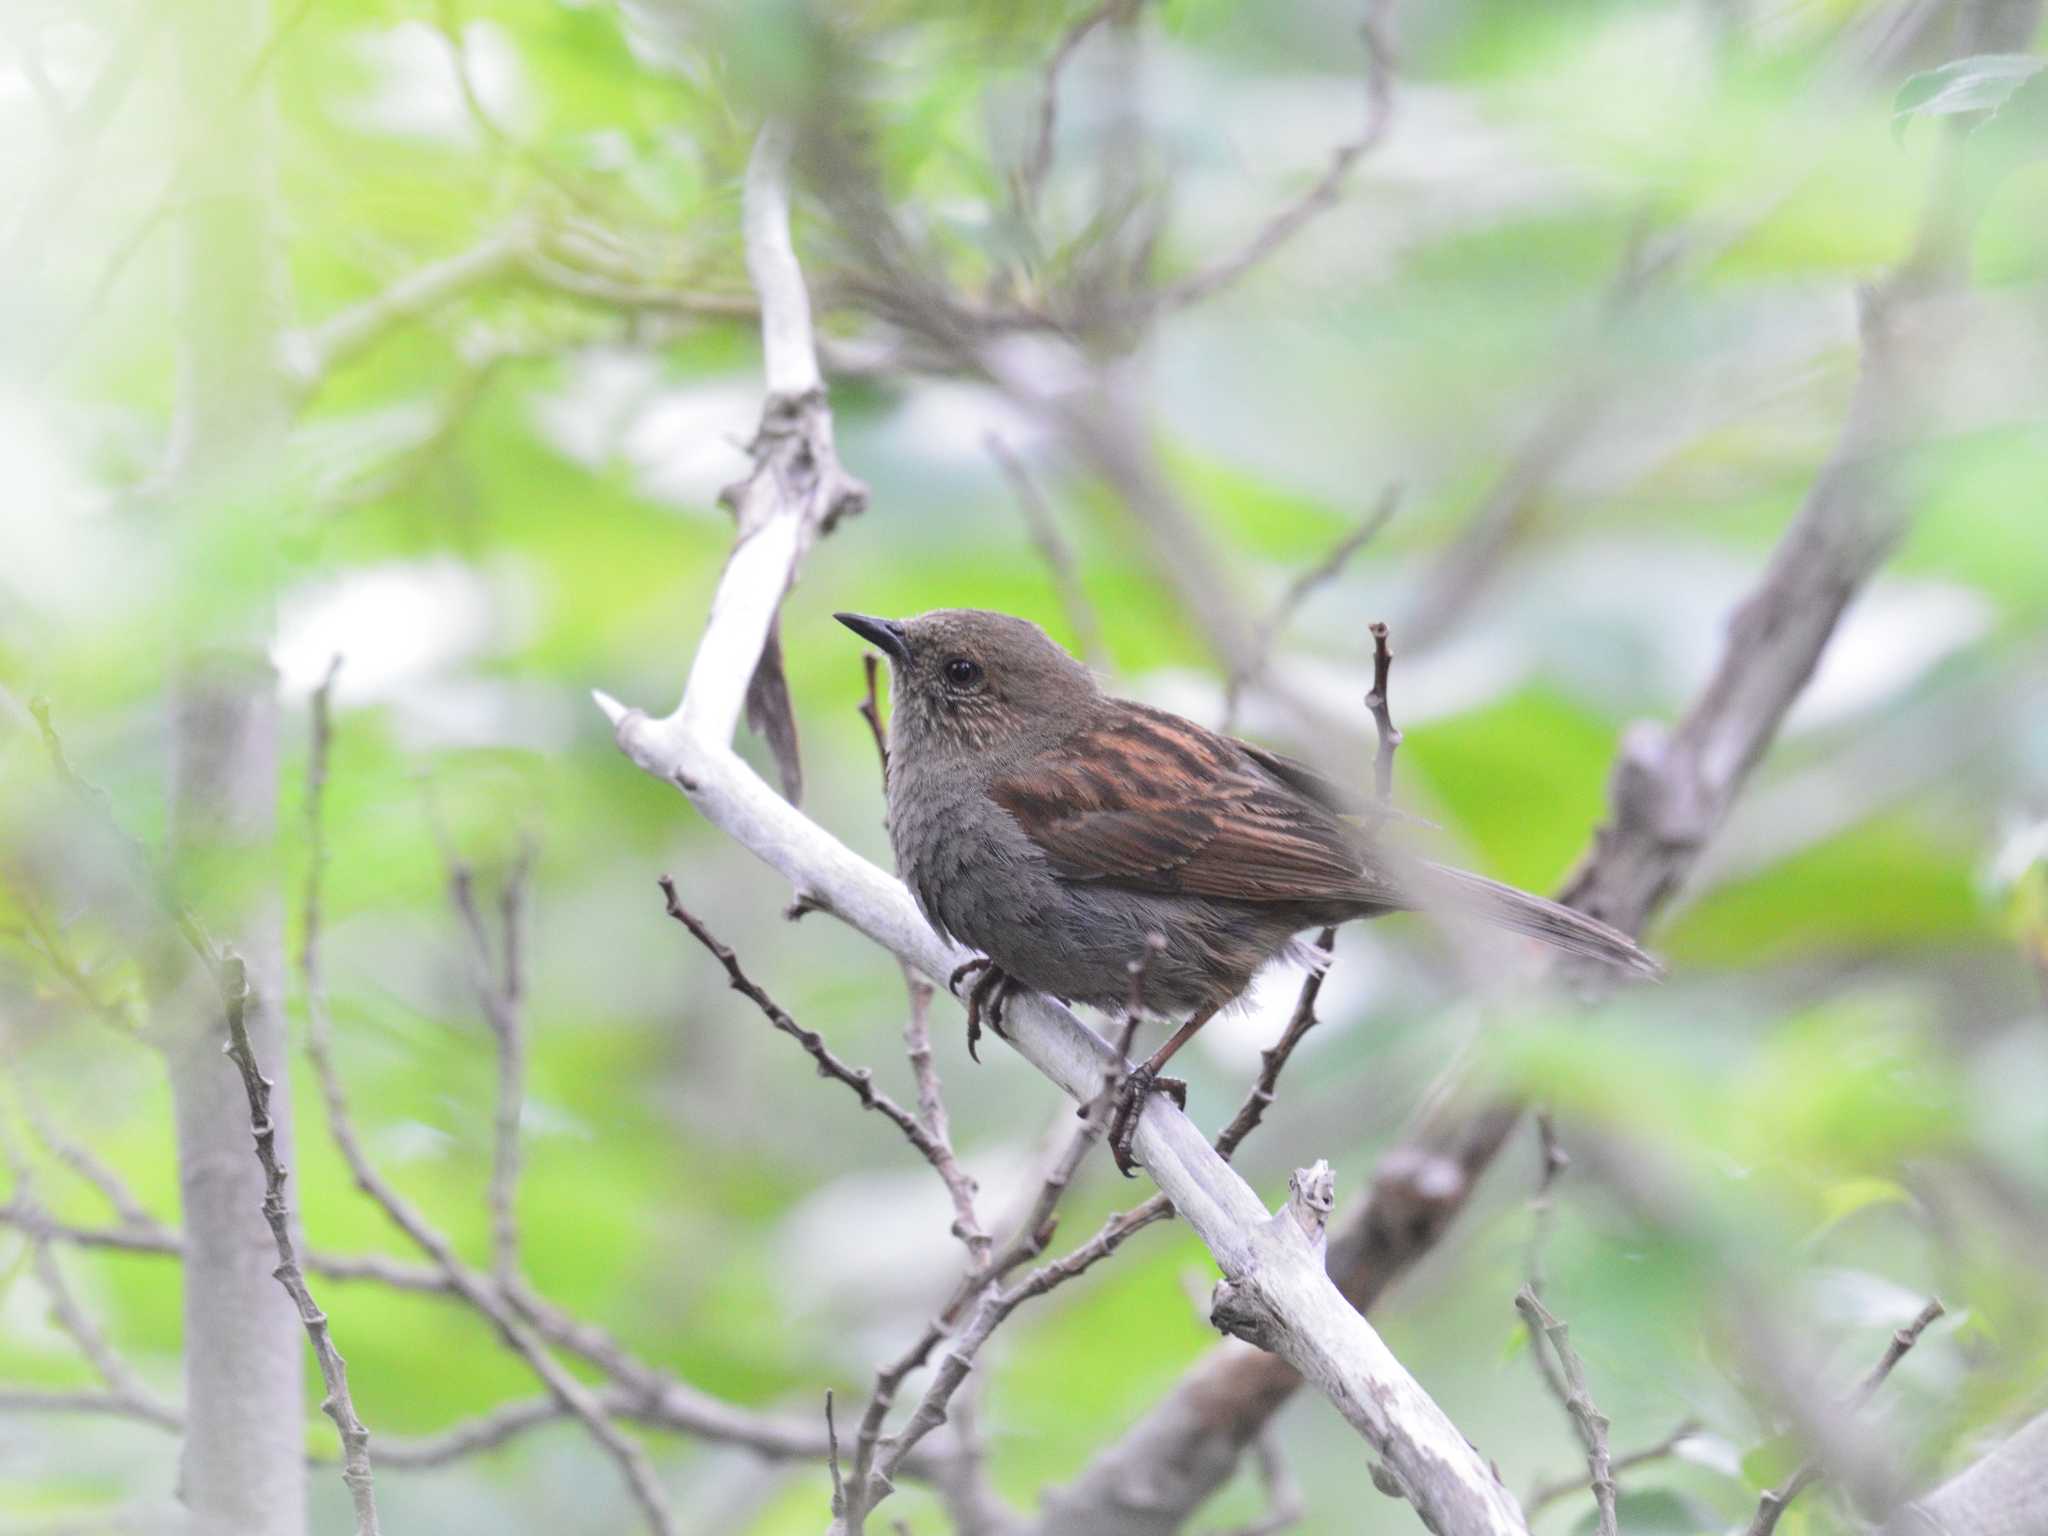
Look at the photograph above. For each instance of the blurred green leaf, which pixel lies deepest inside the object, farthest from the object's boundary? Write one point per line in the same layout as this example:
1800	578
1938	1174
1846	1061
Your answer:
1984	82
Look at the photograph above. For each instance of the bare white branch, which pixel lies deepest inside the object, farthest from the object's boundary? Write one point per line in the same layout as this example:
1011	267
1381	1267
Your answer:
789	353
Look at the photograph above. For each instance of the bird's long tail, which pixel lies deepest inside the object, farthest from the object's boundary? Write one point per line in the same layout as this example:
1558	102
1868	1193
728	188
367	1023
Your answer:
1520	912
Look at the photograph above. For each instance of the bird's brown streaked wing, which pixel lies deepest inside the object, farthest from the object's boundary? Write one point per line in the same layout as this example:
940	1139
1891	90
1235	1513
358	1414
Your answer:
1149	802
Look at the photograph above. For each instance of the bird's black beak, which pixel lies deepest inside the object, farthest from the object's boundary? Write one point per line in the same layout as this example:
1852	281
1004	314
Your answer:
887	634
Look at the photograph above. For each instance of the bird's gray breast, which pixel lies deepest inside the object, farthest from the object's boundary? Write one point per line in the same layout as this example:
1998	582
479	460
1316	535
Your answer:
964	857
982	882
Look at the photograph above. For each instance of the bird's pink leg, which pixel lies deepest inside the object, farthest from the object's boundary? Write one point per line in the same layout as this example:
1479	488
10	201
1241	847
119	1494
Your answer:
1145	1080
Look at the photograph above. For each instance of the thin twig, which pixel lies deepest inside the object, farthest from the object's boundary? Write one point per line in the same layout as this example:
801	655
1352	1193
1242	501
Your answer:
1289	220
1299	591
1382	716
112	1404
995	1308
674	1410
1053	548
313	354
499	983
832	1459
1031	178
338	1406
158	1239
550	270
81	1160
508	1030
871	710
449	24
931	1112
1542	1204
1775	1501
859	1079
1273	1061
1544	1494
1588	1420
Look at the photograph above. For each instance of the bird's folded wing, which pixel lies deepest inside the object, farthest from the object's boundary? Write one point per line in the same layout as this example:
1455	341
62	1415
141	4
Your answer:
1152	803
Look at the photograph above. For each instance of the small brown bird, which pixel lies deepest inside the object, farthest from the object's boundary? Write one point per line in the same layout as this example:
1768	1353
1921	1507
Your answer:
1066	834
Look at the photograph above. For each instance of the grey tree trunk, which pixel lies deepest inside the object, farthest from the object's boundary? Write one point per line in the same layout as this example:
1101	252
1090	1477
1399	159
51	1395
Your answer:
243	1470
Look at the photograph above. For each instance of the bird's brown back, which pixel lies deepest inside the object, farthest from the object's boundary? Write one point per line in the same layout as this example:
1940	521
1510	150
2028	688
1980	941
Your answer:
1146	800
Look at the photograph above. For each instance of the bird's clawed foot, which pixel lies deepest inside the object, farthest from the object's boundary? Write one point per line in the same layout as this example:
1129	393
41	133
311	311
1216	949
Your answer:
1131	1094
985	1000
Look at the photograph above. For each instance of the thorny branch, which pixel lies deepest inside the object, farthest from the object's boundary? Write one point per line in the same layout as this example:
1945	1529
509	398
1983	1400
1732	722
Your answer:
337	1405
1545	1331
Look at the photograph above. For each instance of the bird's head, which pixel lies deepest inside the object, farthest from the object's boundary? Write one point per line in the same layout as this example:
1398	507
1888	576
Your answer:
974	682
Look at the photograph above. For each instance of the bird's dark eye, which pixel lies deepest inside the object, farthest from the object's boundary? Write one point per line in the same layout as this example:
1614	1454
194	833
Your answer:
962	673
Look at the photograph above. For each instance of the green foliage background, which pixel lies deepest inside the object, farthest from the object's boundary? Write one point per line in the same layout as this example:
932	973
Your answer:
1847	1065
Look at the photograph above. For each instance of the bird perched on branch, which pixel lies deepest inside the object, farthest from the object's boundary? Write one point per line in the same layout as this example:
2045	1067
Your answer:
1067	834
